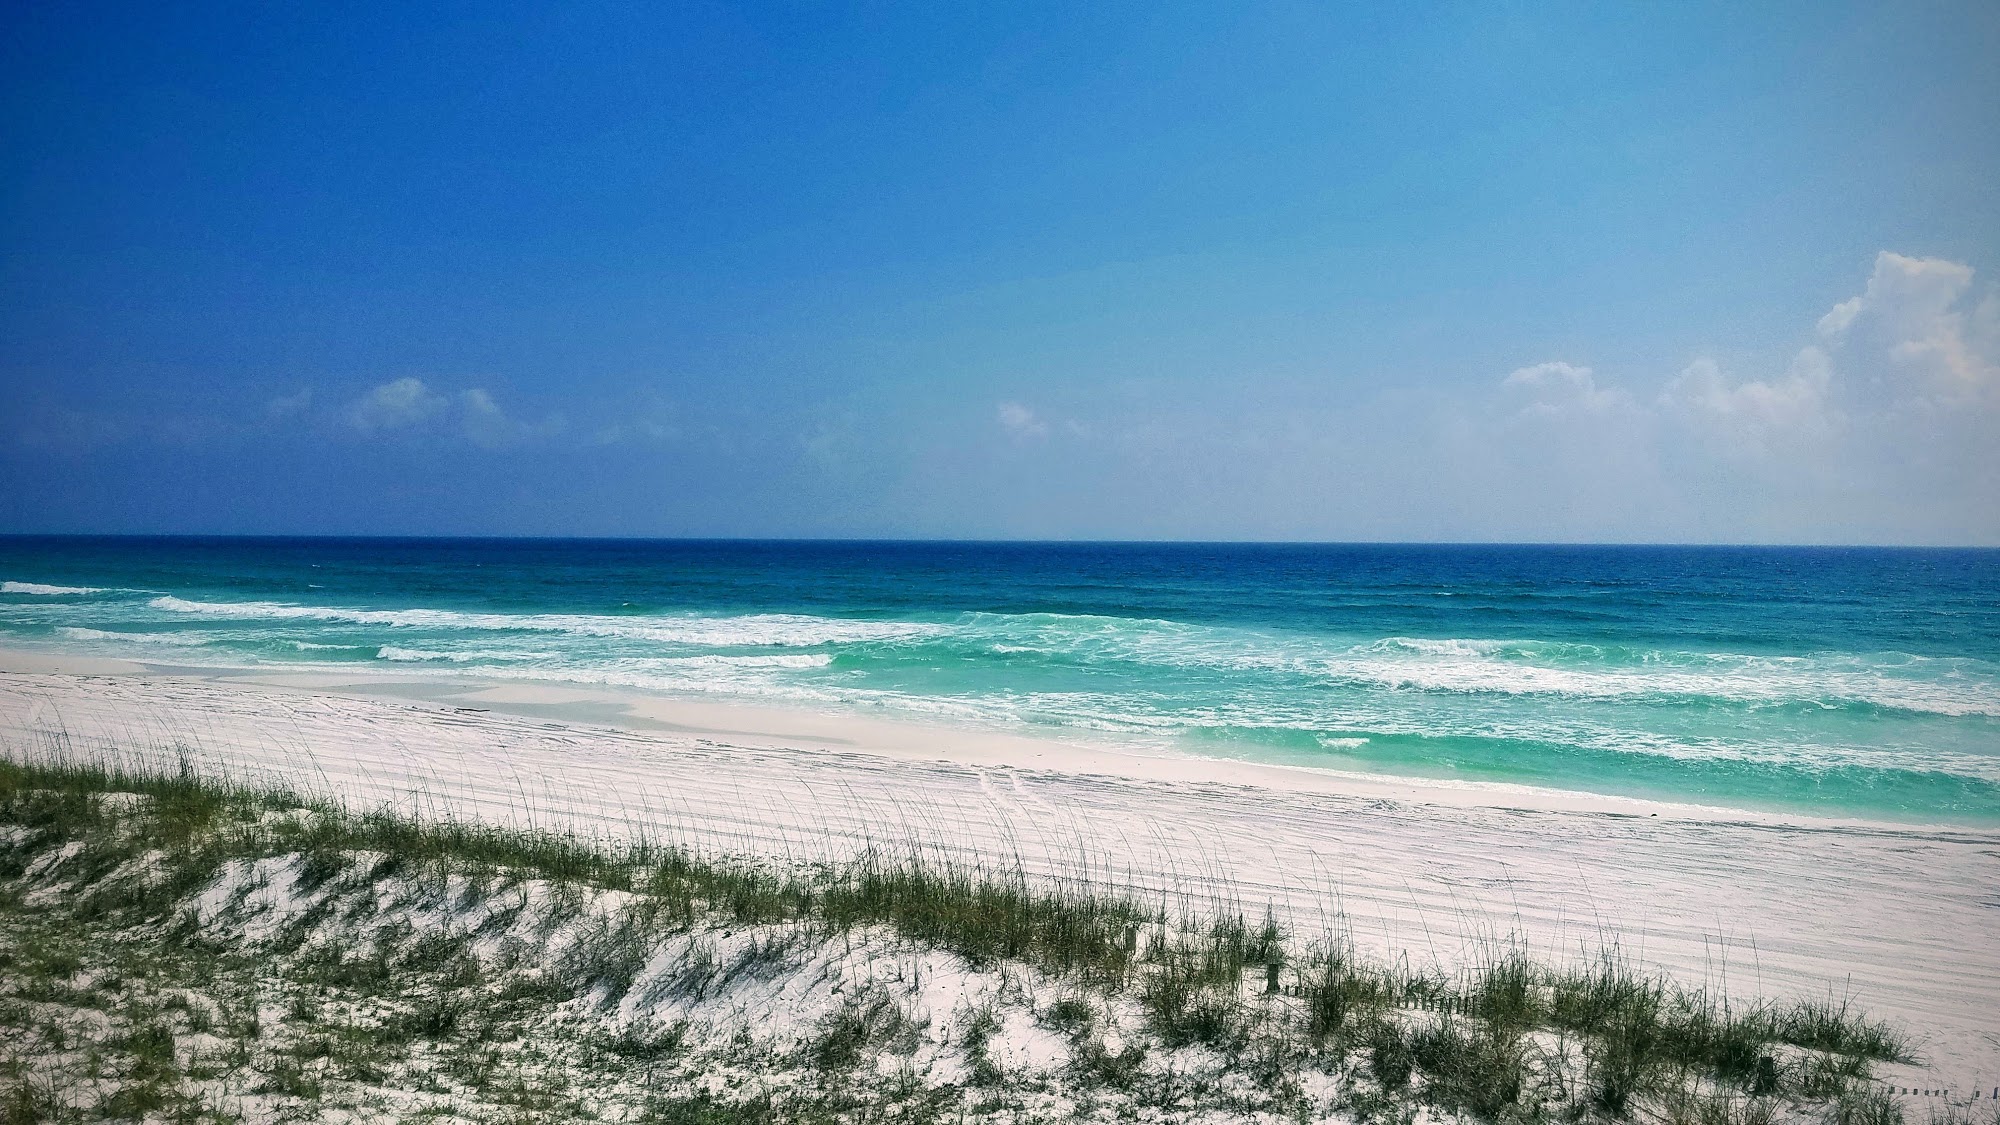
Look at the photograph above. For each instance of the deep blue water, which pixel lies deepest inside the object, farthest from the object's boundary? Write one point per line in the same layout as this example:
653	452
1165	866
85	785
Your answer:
1836	681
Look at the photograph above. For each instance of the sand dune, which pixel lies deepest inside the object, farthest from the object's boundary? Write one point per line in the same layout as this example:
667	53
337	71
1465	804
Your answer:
1905	921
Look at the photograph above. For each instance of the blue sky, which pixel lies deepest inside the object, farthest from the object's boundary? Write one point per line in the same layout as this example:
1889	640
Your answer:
1494	272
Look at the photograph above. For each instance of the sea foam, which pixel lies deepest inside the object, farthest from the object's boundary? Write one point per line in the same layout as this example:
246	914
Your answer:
178	640
1814	676
46	591
772	630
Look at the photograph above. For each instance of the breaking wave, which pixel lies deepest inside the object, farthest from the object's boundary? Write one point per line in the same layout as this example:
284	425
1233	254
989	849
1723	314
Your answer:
1895	681
1136	648
773	630
178	640
42	590
1559	679
1947	686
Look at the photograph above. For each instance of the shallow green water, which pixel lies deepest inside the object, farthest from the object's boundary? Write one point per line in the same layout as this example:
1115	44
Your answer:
1834	681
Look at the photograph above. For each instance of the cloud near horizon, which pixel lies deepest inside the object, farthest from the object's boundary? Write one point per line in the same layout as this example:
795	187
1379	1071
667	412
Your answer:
1555	388
397	405
1883	425
1895	402
410	404
1880	422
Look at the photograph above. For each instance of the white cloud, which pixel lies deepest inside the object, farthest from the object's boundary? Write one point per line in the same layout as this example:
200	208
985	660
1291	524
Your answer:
1756	415
483	422
1556	387
395	406
1911	345
410	406
1021	423
1911	333
1884	425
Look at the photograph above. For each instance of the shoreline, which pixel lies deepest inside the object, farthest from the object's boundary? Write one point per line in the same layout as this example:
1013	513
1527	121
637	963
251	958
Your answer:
772	727
1898	919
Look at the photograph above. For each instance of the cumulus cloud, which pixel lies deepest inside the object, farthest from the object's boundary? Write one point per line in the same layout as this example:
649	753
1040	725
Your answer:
1757	415
399	405
412	406
1557	387
1914	332
1912	343
1885	420
1876	418
484	423
1020	423
1913	339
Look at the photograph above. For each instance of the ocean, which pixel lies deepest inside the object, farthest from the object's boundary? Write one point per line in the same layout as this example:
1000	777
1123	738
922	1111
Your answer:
1841	682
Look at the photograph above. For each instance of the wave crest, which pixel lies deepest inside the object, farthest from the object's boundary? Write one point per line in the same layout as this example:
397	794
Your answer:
1216	665
1589	672
1522	667
706	660
41	590
764	630
178	640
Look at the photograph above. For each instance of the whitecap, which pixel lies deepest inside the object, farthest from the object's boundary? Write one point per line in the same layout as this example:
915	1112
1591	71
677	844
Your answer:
1526	667
714	660
1507	668
413	655
766	630
181	640
45	591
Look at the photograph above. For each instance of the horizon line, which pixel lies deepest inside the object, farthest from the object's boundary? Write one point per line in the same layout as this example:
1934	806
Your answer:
990	541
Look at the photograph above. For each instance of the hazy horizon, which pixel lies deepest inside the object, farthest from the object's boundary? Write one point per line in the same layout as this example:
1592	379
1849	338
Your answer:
1001	542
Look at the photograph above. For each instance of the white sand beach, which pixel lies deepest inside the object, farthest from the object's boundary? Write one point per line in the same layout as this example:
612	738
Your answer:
1902	920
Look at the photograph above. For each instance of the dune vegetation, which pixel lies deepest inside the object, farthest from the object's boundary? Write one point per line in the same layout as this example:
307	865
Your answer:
174	947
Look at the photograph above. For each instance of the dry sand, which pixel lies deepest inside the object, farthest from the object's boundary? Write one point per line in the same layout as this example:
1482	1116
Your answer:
1905	921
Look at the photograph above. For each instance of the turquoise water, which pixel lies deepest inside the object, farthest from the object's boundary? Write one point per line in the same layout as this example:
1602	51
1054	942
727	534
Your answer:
1833	681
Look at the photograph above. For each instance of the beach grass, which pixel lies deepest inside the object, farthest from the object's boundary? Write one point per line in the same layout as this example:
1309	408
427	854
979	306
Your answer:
421	966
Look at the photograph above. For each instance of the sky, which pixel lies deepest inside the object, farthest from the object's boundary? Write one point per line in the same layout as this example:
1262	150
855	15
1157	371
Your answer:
1493	272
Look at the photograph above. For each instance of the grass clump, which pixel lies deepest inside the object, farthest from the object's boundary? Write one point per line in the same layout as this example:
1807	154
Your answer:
1337	991
987	919
1479	1069
858	1028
